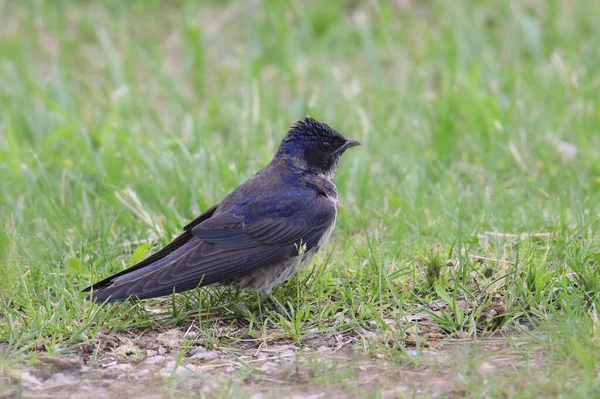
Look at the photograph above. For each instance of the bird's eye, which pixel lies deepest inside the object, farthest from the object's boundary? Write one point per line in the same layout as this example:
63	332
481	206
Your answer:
326	145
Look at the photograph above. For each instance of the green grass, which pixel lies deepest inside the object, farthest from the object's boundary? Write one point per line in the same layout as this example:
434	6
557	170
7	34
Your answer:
120	121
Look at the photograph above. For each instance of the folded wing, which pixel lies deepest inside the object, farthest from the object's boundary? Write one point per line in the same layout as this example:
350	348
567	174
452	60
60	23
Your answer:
214	249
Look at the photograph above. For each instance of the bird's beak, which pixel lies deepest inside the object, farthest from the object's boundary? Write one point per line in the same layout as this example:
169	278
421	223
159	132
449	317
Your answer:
349	143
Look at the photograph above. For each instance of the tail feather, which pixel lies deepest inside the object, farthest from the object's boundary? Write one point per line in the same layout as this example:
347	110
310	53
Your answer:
119	288
116	287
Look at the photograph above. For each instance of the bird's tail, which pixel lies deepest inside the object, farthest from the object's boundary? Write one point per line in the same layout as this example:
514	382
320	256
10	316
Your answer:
129	283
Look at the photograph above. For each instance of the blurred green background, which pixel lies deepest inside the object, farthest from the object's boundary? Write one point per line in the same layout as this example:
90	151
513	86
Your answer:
121	120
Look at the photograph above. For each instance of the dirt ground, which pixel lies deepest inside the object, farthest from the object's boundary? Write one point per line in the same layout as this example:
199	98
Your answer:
152	363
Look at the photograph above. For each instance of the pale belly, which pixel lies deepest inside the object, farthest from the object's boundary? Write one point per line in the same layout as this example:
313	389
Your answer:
265	278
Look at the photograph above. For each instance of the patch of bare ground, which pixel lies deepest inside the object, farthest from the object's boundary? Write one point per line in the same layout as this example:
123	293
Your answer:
151	363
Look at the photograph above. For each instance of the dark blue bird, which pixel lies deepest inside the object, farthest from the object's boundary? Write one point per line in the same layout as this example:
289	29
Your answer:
258	235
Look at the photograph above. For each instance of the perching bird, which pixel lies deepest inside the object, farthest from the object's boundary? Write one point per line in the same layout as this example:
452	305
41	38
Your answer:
258	235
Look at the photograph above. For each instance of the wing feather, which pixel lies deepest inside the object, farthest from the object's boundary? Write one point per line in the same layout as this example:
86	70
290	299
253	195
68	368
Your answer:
216	249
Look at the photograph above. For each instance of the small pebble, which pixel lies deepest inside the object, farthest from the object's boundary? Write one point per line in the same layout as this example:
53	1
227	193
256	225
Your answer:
28	379
121	367
141	374
155	359
181	371
60	379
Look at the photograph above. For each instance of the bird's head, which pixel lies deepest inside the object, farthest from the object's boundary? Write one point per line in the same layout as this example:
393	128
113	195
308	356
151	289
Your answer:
313	146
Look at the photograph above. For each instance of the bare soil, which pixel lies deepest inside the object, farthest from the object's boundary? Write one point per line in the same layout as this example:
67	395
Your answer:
157	363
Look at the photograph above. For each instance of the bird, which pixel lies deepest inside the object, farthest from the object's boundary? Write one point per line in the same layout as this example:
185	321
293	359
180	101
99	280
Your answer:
258	236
